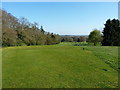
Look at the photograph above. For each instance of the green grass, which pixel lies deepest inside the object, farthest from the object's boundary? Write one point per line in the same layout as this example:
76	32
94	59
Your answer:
107	54
77	44
57	66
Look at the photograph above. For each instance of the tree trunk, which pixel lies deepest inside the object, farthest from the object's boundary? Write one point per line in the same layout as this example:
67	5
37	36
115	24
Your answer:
94	44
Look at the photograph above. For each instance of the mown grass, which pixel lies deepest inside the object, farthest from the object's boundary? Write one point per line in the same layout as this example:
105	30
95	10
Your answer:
109	54
56	66
77	44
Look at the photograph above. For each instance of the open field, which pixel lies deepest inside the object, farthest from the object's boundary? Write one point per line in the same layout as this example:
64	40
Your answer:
60	66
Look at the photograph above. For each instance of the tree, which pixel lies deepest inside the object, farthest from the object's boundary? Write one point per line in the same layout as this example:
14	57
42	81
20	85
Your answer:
94	37
9	26
24	23
82	38
42	30
9	37
111	33
17	32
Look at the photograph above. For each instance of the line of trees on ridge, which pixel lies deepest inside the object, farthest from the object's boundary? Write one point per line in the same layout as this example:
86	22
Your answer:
18	32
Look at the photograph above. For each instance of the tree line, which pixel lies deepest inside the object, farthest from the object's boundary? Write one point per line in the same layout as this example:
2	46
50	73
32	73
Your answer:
70	38
19	31
110	35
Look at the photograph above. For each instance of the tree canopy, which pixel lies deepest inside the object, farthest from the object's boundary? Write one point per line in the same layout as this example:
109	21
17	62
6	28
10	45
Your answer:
94	37
111	33
19	31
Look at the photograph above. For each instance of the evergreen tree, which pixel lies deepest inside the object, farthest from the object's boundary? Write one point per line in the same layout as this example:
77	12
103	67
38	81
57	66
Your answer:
111	33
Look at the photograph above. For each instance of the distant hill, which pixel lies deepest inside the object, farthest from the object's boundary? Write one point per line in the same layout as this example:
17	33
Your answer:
74	35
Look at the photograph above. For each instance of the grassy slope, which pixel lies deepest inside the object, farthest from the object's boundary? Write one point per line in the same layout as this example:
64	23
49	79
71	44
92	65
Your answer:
107	54
55	66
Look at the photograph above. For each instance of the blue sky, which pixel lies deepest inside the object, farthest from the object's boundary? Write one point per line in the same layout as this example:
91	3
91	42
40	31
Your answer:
71	18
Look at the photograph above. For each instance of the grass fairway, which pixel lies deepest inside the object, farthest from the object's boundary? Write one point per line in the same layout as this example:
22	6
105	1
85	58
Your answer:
56	67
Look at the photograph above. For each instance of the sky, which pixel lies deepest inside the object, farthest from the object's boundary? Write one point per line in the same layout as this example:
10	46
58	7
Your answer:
60	0
65	18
